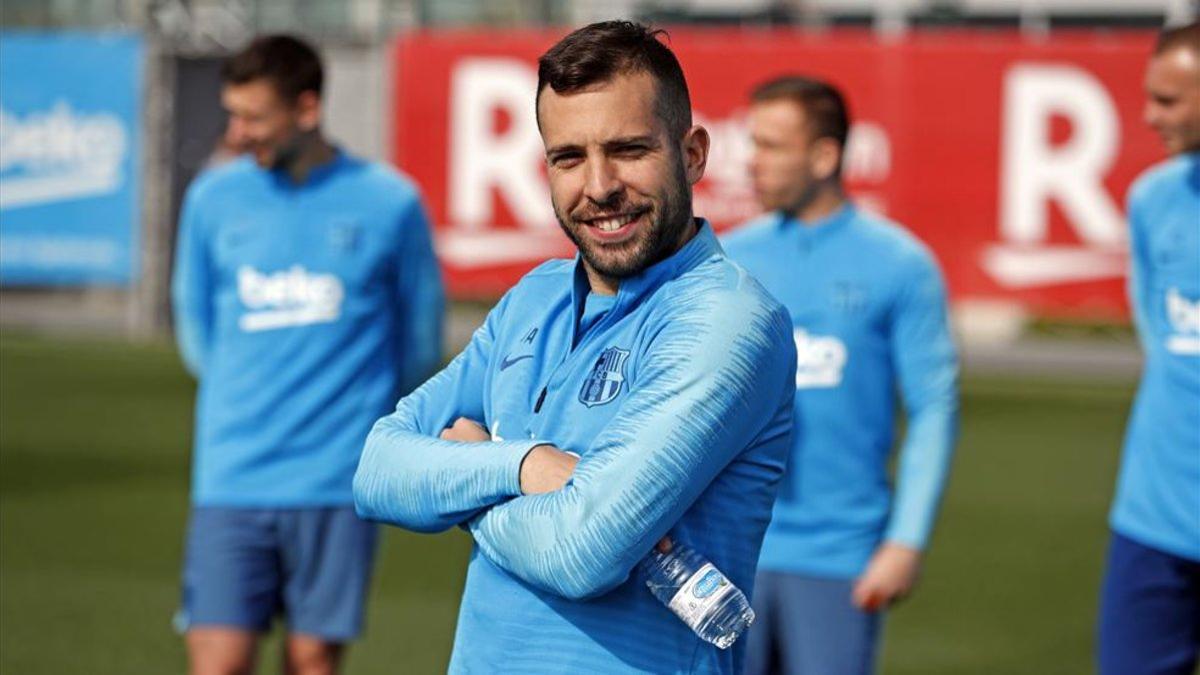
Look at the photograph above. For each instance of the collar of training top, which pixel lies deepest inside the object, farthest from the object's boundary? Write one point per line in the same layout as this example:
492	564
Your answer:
316	175
808	230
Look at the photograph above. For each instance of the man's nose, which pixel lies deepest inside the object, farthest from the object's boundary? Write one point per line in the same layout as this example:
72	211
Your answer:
602	183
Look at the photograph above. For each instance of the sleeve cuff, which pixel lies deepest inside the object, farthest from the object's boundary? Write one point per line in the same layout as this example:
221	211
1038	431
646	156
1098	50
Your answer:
511	454
907	537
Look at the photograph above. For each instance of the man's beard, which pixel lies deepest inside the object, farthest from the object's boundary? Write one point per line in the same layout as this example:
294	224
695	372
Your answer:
668	221
807	196
289	152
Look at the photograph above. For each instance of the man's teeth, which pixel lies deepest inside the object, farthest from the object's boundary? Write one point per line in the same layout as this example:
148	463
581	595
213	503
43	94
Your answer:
614	224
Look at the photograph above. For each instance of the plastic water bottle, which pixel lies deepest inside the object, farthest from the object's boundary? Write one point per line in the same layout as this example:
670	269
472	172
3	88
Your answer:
698	593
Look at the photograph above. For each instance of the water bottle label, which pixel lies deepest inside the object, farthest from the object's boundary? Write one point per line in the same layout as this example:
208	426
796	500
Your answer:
700	593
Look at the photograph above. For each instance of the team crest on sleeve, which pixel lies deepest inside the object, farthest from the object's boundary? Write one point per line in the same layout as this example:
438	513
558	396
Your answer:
604	382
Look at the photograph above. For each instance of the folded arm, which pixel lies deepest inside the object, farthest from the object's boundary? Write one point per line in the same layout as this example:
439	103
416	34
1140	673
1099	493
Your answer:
409	476
707	388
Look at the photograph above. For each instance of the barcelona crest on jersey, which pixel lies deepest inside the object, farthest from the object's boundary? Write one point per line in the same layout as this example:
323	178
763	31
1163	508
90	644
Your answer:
604	382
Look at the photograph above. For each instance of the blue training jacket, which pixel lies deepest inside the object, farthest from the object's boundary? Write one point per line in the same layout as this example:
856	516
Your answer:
305	311
678	400
868	311
1158	490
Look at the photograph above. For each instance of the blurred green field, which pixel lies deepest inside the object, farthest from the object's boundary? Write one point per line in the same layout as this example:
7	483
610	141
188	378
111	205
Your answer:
94	445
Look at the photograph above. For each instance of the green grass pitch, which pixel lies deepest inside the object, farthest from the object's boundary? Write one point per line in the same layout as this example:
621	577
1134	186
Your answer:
94	446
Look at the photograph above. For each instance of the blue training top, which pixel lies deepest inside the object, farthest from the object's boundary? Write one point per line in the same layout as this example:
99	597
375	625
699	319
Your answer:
305	311
1158	490
868	310
678	400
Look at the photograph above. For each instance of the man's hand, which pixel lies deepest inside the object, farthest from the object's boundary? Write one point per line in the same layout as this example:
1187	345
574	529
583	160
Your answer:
466	431
546	469
889	578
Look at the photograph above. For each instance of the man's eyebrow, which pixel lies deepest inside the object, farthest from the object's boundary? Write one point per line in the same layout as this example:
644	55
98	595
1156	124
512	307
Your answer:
647	140
563	147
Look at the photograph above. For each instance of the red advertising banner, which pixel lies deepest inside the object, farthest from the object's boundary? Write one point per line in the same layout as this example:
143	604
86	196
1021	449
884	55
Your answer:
1009	156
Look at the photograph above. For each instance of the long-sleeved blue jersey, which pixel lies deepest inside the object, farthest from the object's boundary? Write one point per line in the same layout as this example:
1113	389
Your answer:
678	399
1158	491
304	310
868	309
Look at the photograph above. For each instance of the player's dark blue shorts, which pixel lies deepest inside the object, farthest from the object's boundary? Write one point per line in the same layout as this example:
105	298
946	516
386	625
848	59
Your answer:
1149	612
243	567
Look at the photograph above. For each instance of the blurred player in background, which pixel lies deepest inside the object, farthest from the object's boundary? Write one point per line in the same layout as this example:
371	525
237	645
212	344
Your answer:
665	367
868	307
307	298
1150	605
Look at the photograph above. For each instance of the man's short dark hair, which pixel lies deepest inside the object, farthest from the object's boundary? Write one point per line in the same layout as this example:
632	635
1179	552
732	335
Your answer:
600	51
1187	36
290	64
824	106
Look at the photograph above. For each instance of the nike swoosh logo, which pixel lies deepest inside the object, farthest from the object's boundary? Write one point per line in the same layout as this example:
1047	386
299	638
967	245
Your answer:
504	364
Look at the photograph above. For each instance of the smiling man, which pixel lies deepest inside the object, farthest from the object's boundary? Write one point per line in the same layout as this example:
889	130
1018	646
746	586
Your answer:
642	388
306	299
1150	604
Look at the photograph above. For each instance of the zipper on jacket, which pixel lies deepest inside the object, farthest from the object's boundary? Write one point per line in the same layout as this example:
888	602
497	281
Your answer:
573	352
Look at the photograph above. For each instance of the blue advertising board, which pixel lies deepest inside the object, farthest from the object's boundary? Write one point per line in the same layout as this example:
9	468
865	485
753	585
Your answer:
70	128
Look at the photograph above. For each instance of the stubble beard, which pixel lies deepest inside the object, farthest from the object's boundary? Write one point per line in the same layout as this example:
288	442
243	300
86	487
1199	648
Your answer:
288	153
808	194
669	221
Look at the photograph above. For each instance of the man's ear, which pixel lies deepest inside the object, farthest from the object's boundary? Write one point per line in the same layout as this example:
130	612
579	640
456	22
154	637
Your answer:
824	158
695	153
308	111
